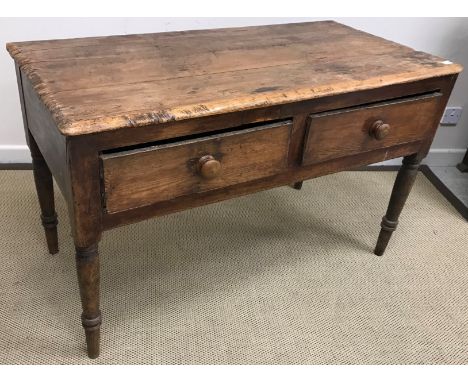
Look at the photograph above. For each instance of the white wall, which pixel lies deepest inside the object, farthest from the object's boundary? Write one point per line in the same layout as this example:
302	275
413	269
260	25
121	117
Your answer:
446	37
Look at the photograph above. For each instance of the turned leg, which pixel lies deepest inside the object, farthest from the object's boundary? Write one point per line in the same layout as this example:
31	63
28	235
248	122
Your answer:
401	189
87	265
45	193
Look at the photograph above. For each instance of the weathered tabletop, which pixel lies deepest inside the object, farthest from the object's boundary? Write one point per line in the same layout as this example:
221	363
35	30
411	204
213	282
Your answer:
104	83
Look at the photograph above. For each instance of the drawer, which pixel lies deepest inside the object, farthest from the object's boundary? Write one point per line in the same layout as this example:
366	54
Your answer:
355	130
142	176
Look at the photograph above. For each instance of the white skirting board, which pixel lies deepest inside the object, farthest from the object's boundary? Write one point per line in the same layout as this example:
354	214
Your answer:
14	154
436	157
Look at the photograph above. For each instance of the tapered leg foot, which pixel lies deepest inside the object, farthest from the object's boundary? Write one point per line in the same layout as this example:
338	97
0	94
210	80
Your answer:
297	185
401	189
387	228
50	227
45	194
93	335
87	265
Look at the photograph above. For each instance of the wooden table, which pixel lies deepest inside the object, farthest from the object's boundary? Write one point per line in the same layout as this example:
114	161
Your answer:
133	127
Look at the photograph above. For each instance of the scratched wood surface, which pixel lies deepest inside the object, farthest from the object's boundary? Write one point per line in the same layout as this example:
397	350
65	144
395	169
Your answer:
106	83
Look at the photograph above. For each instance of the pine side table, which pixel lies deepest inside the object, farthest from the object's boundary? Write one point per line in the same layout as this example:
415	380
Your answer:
137	126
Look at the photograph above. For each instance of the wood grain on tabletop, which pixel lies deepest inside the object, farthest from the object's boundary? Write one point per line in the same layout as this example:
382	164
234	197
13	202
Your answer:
104	83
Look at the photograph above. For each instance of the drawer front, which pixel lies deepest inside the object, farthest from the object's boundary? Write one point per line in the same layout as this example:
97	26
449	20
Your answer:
355	130
139	177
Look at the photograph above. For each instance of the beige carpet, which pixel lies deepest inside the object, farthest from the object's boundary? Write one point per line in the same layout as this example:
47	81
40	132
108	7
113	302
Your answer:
279	277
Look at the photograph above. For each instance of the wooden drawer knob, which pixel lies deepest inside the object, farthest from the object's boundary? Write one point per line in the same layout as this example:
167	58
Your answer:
379	130
209	167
